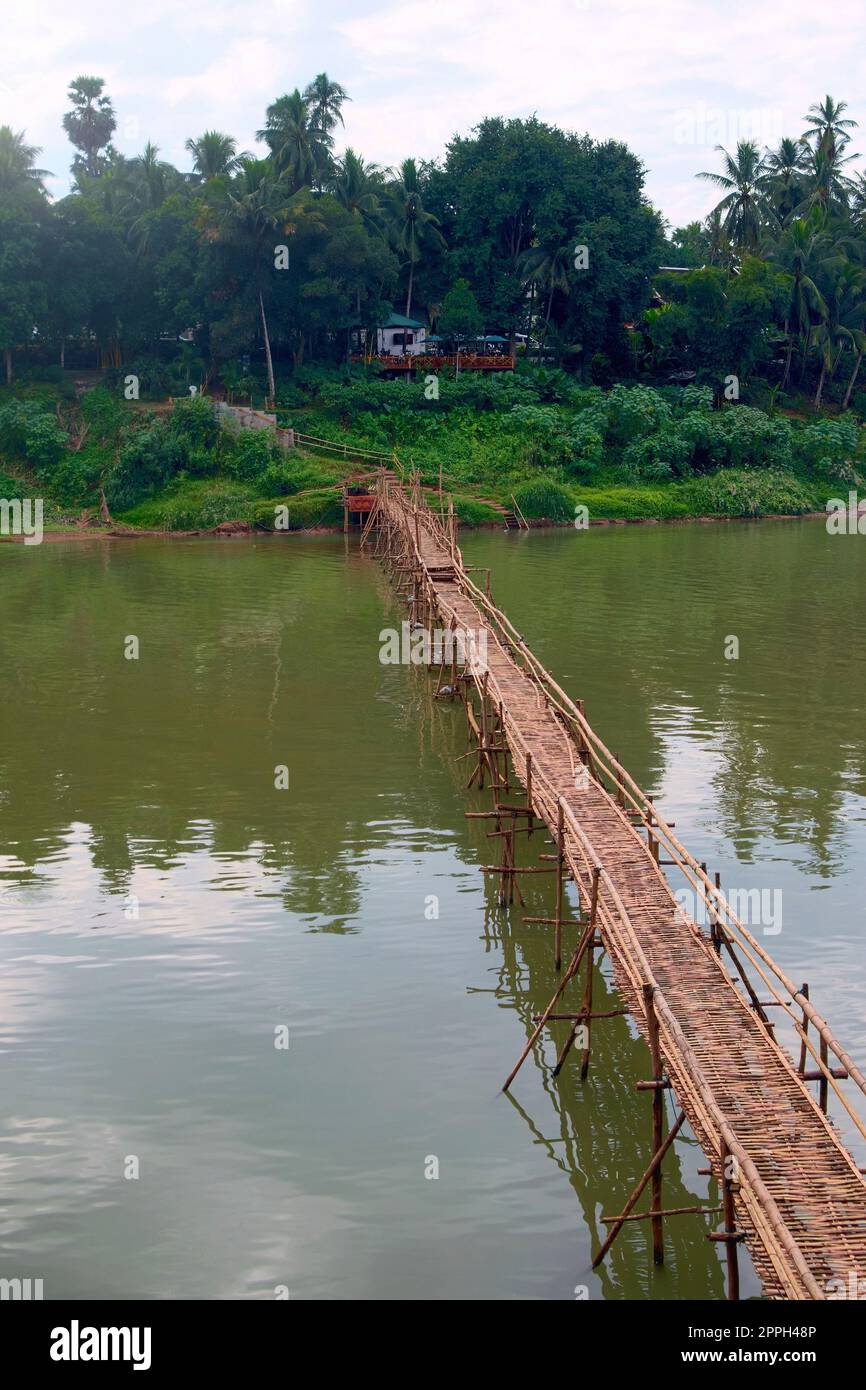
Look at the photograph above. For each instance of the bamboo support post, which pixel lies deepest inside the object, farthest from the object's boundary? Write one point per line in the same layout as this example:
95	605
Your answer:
654	1163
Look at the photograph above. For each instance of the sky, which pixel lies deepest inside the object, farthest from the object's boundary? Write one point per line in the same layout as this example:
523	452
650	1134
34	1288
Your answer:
672	79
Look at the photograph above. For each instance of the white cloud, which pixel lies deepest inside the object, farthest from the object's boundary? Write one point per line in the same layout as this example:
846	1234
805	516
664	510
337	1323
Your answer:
665	79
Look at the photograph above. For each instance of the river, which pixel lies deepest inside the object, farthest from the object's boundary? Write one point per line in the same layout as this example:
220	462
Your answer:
252	1035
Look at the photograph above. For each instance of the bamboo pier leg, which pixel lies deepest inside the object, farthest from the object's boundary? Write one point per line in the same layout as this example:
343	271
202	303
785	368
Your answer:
528	790
560	864
590	970
656	1160
804	990
571	971
657	1122
731	1243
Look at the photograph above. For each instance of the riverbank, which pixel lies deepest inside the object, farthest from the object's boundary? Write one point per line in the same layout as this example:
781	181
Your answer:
589	457
245	532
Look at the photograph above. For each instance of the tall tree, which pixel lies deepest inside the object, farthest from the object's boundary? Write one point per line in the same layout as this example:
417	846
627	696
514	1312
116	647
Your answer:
325	99
297	148
256	213
90	124
742	181
214	154
17	168
415	229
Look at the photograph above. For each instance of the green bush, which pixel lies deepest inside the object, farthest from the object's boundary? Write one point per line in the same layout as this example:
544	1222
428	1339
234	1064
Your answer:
746	492
194	420
147	462
250	453
829	445
544	500
635	411
474	513
29	431
323	507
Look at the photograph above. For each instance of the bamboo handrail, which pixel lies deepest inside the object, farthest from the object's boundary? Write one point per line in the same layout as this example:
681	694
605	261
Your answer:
615	922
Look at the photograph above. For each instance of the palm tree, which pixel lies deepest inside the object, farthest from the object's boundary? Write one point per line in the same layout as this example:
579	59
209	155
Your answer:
90	124
841	324
300	155
852	315
414	226
858	201
357	187
256	209
829	128
546	267
721	253
214	154
16	162
324	99
801	251
742	206
784	176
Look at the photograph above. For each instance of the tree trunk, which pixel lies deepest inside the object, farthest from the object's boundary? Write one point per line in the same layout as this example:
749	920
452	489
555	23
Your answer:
546	322
788	356
63	354
409	295
271	384
821	383
854	376
7	358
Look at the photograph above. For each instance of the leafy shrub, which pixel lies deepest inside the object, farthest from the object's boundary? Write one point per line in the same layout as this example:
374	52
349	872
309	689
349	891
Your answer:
828	445
755	440
635	411
658	456
104	413
194	420
698	398
146	463
28	430
250	453
586	442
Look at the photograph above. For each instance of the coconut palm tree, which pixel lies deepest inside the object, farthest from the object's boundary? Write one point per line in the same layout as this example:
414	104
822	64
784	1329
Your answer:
324	99
801	252
414	228
833	331
852	315
299	153
358	187
829	128
17	167
784	177
545	267
255	210
214	154
741	208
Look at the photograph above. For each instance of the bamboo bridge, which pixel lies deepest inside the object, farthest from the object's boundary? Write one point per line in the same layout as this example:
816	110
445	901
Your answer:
705	1002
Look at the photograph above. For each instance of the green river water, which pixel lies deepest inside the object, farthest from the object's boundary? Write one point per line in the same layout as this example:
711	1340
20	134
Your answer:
165	910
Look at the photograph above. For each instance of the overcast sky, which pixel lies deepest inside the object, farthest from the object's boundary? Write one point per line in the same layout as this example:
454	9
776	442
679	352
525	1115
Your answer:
672	79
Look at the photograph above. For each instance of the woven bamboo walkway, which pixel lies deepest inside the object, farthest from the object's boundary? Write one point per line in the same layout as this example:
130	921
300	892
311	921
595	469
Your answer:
799	1199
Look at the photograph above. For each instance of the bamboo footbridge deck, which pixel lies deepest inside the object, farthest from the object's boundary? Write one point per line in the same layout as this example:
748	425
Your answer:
706	1003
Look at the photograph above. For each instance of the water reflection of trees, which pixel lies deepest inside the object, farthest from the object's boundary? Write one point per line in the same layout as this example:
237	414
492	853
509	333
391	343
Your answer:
634	619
